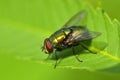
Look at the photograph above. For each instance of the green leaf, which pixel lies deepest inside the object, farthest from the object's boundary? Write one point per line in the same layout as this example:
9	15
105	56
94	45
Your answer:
24	29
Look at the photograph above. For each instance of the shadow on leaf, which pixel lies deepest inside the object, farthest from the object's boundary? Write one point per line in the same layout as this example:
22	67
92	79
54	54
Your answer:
79	49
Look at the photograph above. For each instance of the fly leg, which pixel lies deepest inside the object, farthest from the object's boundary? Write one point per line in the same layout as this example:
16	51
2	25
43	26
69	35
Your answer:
47	57
76	55
56	57
87	48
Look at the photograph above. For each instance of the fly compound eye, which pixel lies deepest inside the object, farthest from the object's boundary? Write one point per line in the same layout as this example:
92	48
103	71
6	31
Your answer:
48	46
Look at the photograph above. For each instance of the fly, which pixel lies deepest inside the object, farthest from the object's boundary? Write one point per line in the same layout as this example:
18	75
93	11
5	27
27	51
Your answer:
70	35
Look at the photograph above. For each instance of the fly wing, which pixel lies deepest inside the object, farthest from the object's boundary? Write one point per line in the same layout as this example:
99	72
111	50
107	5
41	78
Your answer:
78	36
86	36
76	19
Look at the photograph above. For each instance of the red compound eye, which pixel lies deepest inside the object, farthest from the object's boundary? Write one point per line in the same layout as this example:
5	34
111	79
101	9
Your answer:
48	46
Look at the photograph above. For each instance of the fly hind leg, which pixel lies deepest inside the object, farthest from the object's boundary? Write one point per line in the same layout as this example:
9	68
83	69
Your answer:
87	48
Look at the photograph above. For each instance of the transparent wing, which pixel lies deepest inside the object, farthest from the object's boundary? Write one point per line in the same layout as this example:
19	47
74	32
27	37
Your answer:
86	36
76	19
78	36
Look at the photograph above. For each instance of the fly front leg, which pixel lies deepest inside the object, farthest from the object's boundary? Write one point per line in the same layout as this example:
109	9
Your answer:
56	57
76	55
48	57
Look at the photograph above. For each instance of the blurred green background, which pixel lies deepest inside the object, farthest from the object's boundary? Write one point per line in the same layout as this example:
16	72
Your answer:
40	15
